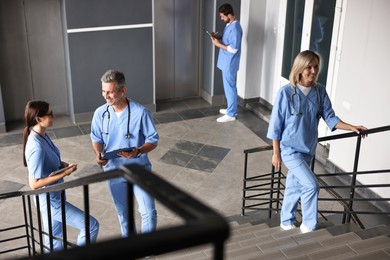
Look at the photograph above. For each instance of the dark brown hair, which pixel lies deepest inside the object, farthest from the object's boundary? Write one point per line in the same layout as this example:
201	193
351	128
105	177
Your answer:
226	9
34	109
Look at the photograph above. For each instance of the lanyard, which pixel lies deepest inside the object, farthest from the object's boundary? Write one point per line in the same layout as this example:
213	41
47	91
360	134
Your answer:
50	143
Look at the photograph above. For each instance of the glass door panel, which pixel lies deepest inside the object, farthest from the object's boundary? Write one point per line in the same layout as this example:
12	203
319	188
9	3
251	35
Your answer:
321	33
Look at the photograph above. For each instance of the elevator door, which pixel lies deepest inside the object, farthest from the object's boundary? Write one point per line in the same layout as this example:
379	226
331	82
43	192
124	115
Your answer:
177	48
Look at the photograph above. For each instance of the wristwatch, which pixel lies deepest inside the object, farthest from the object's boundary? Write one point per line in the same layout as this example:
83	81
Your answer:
138	152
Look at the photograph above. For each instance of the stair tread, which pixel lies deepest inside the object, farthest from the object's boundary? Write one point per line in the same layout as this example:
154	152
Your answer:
377	255
342	239
374	231
370	244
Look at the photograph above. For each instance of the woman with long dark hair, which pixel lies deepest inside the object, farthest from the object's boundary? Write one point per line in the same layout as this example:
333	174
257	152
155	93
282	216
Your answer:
42	158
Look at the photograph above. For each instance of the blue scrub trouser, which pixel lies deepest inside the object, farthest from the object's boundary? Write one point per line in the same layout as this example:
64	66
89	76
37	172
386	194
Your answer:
230	86
74	218
301	183
146	206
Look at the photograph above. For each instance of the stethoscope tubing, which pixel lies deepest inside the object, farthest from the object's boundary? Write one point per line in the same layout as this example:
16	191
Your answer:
127	136
298	112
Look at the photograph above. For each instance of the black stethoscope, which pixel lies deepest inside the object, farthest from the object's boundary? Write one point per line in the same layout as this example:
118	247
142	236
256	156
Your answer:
127	136
298	111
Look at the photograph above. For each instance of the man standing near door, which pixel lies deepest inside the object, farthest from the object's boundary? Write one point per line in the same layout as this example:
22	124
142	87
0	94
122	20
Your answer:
229	59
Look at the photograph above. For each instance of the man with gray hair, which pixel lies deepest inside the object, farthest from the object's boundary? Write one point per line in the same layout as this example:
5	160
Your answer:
127	127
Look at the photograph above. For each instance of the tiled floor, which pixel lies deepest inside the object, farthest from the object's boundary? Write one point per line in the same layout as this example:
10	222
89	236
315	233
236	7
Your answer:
195	153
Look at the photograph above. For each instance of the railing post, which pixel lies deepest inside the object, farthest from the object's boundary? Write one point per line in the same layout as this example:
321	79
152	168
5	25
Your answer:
355	168
218	250
26	223
63	215
49	221
279	189
130	208
244	184
39	223
271	192
86	215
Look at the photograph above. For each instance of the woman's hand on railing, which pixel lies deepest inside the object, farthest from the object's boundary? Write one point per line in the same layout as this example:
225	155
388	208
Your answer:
357	129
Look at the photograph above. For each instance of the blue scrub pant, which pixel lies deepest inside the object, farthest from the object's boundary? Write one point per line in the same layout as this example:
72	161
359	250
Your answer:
146	206
301	183
74	218
230	86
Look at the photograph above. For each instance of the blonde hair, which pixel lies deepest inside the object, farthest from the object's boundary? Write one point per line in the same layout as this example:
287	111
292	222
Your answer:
300	63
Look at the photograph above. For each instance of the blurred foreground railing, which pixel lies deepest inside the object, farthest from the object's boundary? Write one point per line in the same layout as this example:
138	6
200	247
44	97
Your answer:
202	225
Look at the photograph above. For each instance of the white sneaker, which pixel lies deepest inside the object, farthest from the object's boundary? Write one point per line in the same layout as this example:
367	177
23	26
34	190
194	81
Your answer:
305	229
289	227
225	118
223	111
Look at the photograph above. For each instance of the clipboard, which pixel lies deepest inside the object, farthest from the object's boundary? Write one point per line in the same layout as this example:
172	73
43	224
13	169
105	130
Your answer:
114	154
60	171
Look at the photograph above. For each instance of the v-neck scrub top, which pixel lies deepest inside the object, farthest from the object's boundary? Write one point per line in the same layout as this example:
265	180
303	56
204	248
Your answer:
299	133
142	130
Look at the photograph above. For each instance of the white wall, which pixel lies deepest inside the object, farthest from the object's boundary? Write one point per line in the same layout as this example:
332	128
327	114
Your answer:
253	13
362	92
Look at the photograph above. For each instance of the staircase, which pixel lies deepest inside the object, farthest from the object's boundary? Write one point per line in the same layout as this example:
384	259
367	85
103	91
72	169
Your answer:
266	241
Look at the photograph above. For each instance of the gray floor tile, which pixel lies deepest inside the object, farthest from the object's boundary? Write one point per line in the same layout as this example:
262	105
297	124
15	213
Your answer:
168	117
176	158
187	147
67	131
85	128
202	163
191	114
10	139
213	152
10	186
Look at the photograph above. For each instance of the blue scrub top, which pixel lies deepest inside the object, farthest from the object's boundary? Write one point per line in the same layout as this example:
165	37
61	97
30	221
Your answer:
299	133
142	130
43	157
232	35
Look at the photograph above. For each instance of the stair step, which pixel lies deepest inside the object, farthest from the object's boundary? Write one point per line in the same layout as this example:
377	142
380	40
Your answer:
243	253
317	235
248	241
339	240
302	250
374	231
377	255
370	244
336	230
249	228
339	252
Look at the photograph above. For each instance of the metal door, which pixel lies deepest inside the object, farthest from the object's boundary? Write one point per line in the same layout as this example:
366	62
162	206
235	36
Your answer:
176	25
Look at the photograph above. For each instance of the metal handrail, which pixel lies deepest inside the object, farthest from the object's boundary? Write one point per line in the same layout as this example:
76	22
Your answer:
202	224
277	177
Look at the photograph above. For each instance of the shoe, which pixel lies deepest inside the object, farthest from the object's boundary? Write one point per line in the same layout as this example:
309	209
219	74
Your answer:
305	229
225	118
223	111
288	227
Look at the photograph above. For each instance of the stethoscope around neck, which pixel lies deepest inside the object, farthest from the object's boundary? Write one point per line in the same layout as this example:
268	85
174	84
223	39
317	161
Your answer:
127	136
298	112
